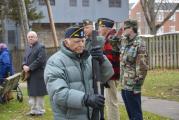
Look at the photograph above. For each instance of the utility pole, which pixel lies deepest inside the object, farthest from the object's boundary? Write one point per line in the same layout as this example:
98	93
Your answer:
52	24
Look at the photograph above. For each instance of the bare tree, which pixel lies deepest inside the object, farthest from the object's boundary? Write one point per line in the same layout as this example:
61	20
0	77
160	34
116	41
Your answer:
24	20
21	12
151	9
3	10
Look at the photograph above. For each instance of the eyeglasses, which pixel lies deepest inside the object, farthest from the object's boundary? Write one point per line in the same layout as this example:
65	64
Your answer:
126	28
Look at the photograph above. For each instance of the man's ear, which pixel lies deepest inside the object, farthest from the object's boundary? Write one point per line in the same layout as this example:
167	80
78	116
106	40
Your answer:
66	42
36	38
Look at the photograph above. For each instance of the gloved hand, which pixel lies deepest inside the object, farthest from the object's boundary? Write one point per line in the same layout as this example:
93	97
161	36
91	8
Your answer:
106	84
94	101
97	53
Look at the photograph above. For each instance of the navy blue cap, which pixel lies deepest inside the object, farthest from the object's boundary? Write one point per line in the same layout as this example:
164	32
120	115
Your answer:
105	22
74	32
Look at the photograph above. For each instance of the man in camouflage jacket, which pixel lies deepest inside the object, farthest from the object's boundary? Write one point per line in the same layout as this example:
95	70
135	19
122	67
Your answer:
133	69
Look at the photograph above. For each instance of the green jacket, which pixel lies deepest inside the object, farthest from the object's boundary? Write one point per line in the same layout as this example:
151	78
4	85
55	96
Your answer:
68	77
133	64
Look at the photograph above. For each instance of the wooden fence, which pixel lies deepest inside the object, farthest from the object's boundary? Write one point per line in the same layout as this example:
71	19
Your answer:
163	51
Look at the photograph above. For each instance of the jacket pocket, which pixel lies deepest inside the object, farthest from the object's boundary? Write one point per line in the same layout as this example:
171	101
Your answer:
131	55
129	77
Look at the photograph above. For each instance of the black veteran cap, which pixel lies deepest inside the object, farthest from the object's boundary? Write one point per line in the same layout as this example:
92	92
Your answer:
87	22
130	23
74	32
105	22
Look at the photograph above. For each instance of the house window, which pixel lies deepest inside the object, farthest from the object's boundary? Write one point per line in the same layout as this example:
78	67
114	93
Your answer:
172	28
172	18
73	3
114	3
42	2
138	16
160	16
85	3
11	36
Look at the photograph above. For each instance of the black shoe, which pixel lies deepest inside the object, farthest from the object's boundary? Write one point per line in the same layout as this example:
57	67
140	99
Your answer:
30	114
40	114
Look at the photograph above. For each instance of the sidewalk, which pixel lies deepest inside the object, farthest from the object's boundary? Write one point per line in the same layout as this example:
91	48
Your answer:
160	107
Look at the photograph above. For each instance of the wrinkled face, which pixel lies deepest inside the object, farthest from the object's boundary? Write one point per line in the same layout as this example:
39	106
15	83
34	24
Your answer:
76	45
32	38
88	30
103	30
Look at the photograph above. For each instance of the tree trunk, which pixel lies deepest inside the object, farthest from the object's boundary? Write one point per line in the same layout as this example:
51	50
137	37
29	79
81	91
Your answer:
24	20
3	22
153	31
52	24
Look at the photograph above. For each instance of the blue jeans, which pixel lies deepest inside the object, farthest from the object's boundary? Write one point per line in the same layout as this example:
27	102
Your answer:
133	104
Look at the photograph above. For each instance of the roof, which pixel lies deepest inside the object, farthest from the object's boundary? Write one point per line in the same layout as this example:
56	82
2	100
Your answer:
166	6
169	5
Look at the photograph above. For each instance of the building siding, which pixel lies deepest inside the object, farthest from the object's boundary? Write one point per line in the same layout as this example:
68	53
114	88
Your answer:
63	13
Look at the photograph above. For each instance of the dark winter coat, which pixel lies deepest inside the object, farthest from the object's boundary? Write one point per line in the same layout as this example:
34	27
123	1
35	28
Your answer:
35	58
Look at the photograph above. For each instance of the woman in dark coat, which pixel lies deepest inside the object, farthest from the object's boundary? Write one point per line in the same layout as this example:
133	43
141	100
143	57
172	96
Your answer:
33	64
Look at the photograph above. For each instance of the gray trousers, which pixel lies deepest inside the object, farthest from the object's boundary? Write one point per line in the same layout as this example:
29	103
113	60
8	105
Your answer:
37	104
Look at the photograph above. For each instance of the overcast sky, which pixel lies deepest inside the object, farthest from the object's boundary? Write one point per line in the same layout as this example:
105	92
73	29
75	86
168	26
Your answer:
132	1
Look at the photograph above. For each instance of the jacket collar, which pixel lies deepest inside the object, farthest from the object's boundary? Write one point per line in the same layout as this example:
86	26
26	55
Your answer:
74	55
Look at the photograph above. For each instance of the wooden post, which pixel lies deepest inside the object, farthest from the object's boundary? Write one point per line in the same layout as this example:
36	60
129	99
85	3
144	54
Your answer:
175	50
171	51
150	53
177	38
153	52
52	24
168	50
160	52
156	51
164	51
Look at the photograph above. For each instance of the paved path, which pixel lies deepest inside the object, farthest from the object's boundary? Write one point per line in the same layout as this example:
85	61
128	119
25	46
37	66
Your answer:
164	108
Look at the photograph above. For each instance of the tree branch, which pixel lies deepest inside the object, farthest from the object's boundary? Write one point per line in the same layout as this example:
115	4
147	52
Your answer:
168	16
144	7
158	7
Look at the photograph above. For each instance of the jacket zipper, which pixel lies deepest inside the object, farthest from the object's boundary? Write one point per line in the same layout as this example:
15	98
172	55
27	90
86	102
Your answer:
83	81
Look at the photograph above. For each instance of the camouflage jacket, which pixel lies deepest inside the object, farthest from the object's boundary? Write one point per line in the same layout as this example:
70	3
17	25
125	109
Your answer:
133	64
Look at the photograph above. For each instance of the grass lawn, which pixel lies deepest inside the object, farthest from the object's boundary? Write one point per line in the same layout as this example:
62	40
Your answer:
159	84
162	84
16	111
